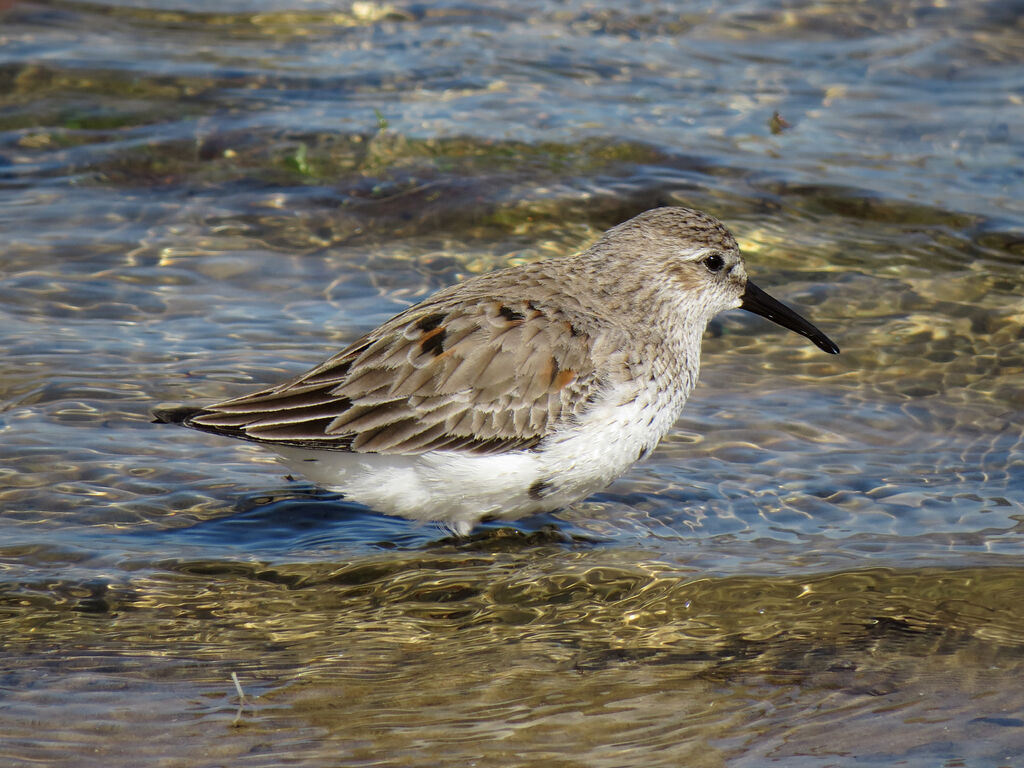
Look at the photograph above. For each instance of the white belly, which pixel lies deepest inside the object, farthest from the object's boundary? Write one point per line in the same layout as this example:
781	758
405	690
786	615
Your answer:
461	489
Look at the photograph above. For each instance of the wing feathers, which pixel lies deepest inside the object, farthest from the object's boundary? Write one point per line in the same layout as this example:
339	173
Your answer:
482	376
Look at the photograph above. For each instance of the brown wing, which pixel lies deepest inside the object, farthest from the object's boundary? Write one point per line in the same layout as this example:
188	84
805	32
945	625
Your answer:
484	376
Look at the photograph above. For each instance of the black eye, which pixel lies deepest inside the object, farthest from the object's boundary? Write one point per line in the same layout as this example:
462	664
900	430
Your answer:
714	262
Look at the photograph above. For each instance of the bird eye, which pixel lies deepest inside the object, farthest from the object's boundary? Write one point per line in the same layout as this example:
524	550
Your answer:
714	262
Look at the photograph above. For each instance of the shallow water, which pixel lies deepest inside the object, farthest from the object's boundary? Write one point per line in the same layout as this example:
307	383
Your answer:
821	565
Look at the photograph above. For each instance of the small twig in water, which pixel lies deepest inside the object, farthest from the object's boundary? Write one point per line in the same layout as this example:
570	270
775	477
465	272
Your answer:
242	700
238	687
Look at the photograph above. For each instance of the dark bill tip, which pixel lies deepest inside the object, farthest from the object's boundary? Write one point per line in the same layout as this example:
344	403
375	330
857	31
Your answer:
760	303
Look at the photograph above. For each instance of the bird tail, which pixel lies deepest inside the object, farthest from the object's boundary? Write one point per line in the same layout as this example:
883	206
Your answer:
177	415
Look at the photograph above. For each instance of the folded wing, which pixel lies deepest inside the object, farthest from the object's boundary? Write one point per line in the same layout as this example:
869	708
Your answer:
485	377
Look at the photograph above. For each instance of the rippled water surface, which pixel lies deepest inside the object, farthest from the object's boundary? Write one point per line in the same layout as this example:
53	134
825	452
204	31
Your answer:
821	565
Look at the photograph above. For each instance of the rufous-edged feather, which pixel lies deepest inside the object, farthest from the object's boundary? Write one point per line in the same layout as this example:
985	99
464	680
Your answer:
454	374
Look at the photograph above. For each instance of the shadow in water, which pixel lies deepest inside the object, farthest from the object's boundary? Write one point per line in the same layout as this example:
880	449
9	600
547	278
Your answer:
309	520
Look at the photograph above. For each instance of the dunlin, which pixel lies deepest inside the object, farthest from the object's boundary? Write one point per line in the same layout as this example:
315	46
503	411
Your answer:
515	392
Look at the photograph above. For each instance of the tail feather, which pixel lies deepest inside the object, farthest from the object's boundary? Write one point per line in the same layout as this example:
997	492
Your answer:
187	415
177	415
234	425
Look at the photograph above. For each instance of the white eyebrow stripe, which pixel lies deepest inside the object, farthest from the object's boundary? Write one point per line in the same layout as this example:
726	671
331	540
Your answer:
702	252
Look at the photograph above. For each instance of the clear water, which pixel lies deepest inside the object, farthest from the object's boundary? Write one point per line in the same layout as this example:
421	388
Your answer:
820	566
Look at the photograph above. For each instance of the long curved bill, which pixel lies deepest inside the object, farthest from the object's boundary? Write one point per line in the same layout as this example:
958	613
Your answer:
760	303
